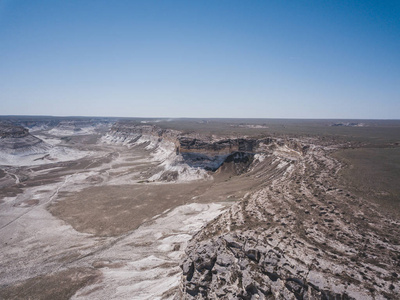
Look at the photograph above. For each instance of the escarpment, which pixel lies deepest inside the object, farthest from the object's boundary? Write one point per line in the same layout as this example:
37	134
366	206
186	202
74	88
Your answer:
15	139
298	235
8	130
222	146
199	151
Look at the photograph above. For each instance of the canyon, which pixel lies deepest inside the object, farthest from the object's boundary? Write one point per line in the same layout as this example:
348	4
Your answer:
137	209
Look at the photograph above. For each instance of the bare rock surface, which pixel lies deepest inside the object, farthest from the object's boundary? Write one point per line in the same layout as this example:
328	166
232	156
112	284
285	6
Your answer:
8	129
15	139
300	236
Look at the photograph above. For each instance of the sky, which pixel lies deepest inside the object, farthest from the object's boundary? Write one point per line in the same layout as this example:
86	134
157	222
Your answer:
220	58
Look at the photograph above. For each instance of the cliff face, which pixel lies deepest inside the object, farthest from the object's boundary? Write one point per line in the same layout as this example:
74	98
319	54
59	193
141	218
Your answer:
16	139
128	133
12	131
300	236
219	147
197	151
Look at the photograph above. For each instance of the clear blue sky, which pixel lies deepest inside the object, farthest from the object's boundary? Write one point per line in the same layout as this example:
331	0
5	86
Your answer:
262	59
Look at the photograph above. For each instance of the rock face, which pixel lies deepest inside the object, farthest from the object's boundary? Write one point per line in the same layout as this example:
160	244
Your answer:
223	146
208	153
16	139
8	130
129	133
79	127
300	236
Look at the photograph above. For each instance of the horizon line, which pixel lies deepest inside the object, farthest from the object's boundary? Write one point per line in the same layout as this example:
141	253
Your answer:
202	118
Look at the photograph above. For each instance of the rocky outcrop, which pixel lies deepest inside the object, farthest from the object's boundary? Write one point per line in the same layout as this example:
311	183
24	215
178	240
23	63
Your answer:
199	151
79	127
300	236
8	130
18	147
16	139
220	146
128	133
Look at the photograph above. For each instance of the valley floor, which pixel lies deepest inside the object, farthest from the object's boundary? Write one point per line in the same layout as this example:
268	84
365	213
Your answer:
99	222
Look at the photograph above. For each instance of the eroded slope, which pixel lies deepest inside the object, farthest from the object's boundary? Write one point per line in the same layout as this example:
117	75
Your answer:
300	236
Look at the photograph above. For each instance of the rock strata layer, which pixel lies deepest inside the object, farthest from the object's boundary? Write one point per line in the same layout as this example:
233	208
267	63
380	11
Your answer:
300	236
199	151
16	139
8	130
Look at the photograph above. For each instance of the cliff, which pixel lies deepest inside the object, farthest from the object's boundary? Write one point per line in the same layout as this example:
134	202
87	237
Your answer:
8	130
298	235
16	139
197	151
